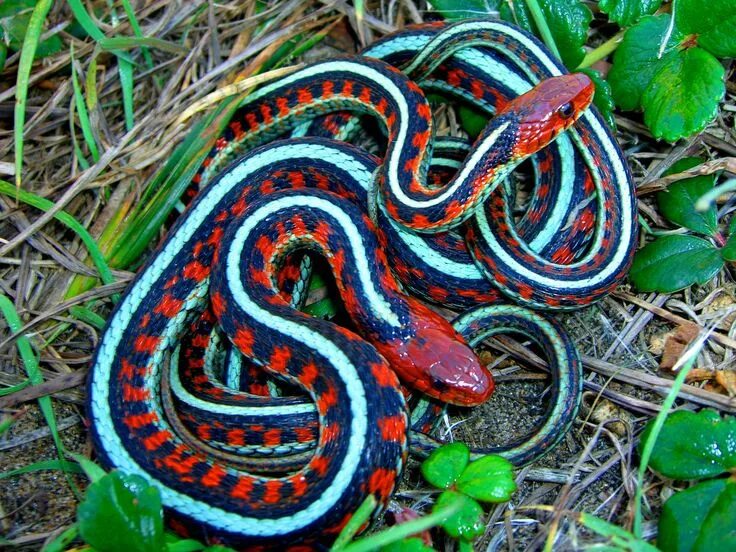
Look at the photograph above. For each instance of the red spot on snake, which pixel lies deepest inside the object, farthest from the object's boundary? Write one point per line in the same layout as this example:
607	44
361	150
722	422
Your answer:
304	434
283	106
242	489
309	375
272	491
154	442
330	433
272	437
146	344
381	483
266	114
244	341
385	377
327	89
393	428
327	399
169	306
235	437
137	421
319	464
299	485
214	476
279	359
196	271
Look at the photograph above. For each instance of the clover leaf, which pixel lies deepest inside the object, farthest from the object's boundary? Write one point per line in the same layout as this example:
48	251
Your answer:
122	512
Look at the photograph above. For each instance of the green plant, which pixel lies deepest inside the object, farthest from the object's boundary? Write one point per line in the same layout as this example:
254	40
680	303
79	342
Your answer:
697	447
676	261
129	508
665	64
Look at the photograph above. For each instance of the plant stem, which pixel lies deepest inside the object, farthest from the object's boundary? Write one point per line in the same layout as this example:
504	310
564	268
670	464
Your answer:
541	23
685	364
602	51
398	532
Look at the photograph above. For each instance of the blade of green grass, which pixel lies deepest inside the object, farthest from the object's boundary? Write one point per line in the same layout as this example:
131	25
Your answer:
5	391
89	136
70	222
89	26
88	316
125	70
62	542
130	12
92	470
3	55
168	185
129	42
685	364
90	84
30	363
27	54
68	467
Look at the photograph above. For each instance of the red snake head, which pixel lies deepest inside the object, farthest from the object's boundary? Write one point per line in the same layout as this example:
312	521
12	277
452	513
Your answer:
438	362
548	109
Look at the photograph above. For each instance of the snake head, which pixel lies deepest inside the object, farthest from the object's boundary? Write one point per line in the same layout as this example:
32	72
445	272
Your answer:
548	109
437	361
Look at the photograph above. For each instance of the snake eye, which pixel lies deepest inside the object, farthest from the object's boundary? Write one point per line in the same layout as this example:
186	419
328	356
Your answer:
566	110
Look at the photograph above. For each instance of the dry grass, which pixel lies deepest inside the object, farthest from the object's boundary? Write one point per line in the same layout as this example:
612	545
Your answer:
592	470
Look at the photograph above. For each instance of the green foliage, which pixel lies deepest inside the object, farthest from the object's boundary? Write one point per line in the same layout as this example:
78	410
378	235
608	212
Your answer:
619	539
464	9
674	262
670	70
488	479
126	507
466	524
443	468
15	16
568	22
626	12
603	98
671	263
696	447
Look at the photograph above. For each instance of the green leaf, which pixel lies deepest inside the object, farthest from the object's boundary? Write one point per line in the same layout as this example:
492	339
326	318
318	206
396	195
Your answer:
472	121
414	544
568	21
13	30
694	446
675	262
627	12
603	98
700	518
445	464
677	203
718	531
464	9
728	251
9	8
637	59
683	96
714	27
467	523
122	512
488	479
